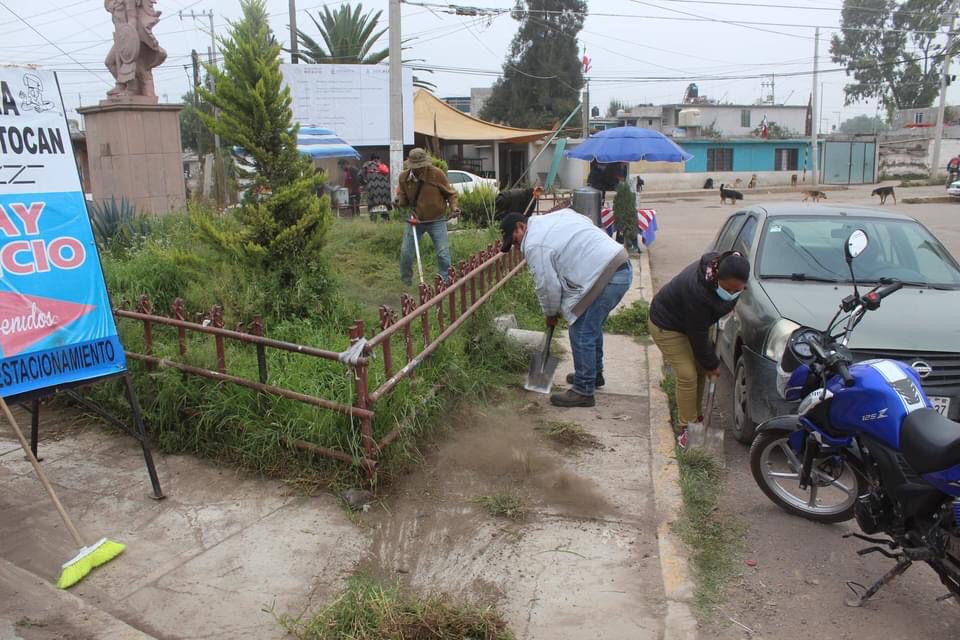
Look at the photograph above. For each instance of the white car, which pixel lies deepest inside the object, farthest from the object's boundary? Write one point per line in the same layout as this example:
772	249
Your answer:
954	189
465	181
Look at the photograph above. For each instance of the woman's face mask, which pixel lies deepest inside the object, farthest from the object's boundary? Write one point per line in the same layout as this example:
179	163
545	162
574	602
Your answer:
726	295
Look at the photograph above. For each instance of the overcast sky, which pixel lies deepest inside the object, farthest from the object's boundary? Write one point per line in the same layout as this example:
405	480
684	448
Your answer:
635	39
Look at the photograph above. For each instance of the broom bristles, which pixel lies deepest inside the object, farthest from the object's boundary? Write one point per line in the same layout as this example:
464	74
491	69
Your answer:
77	568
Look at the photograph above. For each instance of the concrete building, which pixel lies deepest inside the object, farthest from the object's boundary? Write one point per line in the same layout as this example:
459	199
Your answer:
730	120
691	120
463	103
478	98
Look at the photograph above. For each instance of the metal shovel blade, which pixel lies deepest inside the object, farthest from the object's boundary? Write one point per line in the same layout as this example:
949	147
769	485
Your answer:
542	367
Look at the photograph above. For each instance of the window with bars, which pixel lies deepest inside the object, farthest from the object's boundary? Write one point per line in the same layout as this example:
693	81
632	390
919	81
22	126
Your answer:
720	159
786	159
745	117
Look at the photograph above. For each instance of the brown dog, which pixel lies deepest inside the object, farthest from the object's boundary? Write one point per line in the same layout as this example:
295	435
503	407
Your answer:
884	193
814	195
793	180
738	183
753	182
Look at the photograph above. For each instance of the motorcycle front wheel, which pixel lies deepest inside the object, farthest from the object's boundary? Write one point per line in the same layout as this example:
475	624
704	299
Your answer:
776	469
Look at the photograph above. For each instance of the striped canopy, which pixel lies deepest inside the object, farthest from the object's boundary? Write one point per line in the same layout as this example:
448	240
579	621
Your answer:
318	142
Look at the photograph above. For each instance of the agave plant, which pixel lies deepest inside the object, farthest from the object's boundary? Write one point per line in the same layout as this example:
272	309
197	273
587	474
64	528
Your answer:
116	224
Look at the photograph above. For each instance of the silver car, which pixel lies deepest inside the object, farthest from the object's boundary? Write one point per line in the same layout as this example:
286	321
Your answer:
798	279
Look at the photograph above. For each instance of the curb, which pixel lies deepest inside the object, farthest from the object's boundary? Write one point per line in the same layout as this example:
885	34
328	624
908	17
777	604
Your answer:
679	622
37	601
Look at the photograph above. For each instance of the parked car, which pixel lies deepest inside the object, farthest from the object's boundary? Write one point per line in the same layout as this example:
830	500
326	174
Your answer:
465	181
798	275
954	189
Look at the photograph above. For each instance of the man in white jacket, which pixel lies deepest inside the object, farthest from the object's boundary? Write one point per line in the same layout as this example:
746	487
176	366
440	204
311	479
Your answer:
580	273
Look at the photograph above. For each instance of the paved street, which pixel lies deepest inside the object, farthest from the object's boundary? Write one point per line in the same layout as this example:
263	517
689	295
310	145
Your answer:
798	585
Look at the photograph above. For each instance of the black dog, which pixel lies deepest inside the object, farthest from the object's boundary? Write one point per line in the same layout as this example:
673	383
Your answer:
884	193
729	194
640	184
708	184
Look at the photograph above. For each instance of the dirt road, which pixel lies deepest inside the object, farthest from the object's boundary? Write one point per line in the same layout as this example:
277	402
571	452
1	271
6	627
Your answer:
798	586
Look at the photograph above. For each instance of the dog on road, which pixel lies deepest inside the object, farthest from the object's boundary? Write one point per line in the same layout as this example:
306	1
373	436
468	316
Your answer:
793	180
753	182
729	194
884	193
815	195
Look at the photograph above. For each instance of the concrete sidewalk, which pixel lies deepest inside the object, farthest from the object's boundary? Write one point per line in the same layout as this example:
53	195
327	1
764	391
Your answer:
595	557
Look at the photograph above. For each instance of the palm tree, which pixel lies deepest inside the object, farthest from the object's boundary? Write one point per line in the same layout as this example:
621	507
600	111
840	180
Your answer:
348	37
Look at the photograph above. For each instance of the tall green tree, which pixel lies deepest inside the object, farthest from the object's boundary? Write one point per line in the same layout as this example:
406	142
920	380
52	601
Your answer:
614	106
282	221
893	50
194	134
348	35
863	124
543	73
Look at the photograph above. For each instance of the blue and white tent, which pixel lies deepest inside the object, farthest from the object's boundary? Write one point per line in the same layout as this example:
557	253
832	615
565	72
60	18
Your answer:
320	143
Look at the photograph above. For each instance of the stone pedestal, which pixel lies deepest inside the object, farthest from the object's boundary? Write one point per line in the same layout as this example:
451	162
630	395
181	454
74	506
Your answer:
134	152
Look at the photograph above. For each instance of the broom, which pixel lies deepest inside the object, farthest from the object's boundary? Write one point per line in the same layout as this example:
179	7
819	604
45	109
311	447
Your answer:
89	557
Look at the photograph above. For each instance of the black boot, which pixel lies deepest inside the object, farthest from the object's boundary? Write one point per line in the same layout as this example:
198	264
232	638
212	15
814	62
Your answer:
571	398
599	383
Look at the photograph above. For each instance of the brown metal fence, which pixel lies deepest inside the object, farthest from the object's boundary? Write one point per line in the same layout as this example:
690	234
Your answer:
449	304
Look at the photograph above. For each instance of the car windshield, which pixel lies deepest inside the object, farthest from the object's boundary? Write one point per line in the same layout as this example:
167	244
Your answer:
811	248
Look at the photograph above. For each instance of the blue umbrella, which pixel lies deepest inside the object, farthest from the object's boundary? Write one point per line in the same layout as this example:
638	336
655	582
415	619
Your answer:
318	142
629	144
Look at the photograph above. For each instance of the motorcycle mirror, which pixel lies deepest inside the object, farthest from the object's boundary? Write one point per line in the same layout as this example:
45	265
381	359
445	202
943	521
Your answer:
856	244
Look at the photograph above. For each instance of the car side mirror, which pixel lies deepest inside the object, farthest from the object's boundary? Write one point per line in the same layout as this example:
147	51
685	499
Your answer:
856	244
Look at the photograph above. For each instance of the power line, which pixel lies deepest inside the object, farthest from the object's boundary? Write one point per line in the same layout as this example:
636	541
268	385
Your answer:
50	42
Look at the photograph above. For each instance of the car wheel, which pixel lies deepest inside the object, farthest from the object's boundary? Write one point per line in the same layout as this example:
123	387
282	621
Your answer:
743	426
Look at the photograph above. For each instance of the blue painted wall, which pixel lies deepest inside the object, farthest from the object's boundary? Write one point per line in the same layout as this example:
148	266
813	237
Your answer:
748	155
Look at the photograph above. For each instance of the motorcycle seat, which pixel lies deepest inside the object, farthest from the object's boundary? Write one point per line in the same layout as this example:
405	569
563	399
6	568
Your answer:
929	441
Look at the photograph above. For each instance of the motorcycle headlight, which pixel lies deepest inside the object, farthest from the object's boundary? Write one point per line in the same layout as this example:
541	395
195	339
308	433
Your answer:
777	338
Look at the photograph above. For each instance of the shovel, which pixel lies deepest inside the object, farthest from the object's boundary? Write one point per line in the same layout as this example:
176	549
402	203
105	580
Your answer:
542	367
704	435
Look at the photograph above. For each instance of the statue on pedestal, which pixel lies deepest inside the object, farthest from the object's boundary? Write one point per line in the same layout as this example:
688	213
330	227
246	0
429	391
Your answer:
136	51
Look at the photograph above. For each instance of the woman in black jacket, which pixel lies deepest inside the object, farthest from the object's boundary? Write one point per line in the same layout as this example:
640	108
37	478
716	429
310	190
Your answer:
681	316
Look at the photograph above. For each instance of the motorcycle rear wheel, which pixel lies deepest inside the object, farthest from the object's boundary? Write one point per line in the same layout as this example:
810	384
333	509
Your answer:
776	468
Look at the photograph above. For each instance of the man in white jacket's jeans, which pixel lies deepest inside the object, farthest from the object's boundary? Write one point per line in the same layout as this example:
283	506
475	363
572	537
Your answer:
580	273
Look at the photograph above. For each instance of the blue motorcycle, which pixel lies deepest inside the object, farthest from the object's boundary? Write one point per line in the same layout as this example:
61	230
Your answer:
866	443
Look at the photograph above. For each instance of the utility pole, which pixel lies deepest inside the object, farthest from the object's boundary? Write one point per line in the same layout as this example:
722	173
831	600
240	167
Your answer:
585	111
815	124
942	104
217	156
294	45
195	58
396	95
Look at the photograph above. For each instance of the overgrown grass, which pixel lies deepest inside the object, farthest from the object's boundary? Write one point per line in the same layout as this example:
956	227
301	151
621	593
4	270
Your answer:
370	610
713	537
503	504
631	321
570	434
669	386
242	427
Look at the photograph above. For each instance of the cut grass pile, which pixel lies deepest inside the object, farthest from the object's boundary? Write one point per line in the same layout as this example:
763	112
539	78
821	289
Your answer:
570	434
370	610
504	504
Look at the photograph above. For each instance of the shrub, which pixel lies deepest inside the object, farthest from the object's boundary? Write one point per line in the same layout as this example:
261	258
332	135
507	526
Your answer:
477	206
625	214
